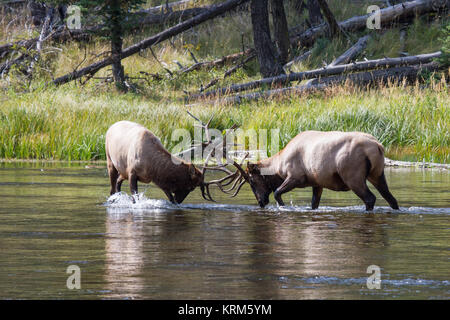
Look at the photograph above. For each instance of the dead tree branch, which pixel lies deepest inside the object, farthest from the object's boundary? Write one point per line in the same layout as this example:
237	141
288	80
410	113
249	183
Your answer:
362	79
389	15
148	42
334	70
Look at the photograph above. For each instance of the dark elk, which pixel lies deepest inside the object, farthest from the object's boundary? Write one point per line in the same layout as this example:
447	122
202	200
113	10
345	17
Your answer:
135	154
339	161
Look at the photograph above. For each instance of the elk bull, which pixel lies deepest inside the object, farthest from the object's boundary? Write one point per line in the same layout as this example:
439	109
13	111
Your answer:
339	161
135	154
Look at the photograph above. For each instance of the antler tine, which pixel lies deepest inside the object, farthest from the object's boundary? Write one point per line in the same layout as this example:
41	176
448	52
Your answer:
208	194
238	189
242	178
236	181
236	178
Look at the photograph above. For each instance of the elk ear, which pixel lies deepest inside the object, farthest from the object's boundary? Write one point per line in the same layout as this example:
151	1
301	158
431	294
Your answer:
192	171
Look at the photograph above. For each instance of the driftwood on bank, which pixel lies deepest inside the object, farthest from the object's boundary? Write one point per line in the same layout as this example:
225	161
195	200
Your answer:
361	79
334	70
148	42
388	16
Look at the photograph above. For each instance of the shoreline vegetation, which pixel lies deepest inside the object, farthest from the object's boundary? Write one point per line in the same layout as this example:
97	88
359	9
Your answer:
69	122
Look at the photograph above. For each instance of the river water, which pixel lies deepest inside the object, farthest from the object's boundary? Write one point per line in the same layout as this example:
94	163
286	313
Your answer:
53	216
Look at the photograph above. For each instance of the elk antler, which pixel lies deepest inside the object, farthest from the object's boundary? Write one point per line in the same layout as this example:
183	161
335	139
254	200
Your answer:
237	178
232	178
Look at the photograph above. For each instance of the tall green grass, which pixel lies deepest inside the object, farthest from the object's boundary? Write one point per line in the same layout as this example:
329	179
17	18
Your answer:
70	124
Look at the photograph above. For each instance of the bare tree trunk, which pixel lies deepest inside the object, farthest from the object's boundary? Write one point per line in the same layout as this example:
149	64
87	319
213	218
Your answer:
315	16
116	45
269	61
281	31
37	10
333	24
299	6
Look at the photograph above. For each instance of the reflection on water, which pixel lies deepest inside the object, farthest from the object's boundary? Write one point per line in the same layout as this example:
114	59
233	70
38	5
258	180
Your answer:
124	257
53	216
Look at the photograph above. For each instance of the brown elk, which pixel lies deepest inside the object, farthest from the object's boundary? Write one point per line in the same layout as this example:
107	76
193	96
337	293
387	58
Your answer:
135	154
339	161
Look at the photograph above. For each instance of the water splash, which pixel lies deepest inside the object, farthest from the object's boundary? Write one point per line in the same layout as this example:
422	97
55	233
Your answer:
121	202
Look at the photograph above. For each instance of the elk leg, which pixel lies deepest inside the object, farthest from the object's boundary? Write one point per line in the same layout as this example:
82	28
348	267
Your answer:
113	175
119	183
286	186
132	178
317	193
365	195
181	195
381	185
170	196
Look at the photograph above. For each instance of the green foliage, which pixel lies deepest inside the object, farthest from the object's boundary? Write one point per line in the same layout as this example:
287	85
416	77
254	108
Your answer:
113	13
445	39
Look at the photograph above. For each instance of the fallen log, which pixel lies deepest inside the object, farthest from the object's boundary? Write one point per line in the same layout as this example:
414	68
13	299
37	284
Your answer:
228	72
348	55
232	58
351	53
361	79
170	17
297	59
148	42
334	70
169	6
389	15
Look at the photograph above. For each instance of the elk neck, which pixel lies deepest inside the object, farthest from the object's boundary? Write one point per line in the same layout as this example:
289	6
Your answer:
171	169
273	180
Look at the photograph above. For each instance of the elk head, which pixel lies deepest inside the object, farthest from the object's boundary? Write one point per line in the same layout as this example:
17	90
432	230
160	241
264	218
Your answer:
196	179
258	183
